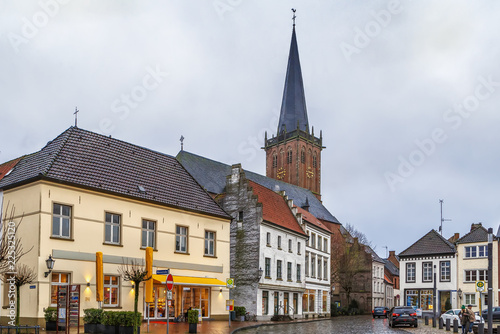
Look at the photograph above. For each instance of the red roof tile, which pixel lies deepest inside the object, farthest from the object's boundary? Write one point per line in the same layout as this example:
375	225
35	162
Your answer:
310	218
7	167
275	209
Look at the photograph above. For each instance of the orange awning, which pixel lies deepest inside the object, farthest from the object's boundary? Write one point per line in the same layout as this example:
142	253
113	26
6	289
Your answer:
186	280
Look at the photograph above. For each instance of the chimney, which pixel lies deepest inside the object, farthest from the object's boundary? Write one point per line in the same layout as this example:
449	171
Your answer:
392	253
474	226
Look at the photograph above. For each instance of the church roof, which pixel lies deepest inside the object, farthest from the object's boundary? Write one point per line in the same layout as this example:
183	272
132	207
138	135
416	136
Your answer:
293	106
430	244
212	175
93	161
275	209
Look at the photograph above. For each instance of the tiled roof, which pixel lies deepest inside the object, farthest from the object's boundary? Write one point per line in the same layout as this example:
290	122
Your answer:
7	167
309	217
275	209
430	244
478	234
387	280
391	267
83	158
212	175
374	255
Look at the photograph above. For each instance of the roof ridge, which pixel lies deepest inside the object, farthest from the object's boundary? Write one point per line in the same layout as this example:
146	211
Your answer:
431	232
480	227
67	133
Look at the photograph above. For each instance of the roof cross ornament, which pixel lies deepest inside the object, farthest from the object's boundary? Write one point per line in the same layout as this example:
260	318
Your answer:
294	16
182	142
76	116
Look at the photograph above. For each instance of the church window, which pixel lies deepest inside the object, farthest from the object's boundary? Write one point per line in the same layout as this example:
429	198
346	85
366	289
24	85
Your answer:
275	160
315	160
303	156
289	156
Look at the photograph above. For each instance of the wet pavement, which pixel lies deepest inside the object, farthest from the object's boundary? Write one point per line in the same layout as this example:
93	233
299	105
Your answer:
341	325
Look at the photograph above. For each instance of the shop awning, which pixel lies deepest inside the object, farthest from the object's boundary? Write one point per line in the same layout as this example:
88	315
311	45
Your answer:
186	280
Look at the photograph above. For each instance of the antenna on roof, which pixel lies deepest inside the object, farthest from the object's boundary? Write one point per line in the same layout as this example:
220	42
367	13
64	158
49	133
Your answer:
442	219
294	16
182	142
76	116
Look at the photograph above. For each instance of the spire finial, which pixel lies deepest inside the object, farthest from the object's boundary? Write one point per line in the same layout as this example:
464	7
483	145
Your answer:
76	116
182	142
294	16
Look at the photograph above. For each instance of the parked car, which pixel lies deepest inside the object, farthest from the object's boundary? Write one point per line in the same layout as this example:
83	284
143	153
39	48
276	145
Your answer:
455	314
496	313
400	315
380	311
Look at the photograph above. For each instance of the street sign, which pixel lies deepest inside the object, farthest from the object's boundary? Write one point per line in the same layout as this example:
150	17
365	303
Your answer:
230	283
170	282
162	271
169	295
230	305
480	286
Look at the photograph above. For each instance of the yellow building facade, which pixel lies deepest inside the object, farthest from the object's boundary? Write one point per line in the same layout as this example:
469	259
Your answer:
71	223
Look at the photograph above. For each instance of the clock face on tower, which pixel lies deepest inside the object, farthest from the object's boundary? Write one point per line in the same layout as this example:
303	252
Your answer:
281	173
309	172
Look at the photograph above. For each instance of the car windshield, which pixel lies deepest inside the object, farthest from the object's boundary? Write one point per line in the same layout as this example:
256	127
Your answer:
457	312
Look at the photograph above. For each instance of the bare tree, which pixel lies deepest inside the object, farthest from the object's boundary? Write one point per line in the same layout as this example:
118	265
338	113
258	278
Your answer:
11	249
355	233
21	275
137	273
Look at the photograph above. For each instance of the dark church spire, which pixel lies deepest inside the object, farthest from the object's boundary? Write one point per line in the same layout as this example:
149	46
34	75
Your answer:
293	107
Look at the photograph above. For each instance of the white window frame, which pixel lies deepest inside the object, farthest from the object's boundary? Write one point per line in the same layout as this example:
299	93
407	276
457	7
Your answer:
58	218
210	238
470	298
114	228
181	236
149	233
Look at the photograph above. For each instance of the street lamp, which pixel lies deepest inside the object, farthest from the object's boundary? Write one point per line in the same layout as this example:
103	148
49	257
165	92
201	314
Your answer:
260	272
50	265
459	292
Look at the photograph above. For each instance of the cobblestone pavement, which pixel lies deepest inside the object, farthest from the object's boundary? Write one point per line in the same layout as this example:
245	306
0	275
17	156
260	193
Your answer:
344	325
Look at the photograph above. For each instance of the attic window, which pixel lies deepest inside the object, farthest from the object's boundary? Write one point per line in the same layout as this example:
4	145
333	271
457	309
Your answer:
142	190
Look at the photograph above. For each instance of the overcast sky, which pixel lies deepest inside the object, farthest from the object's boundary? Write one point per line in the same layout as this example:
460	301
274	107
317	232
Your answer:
407	94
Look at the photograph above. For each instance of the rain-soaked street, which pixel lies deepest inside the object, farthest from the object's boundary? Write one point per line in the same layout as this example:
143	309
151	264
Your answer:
344	325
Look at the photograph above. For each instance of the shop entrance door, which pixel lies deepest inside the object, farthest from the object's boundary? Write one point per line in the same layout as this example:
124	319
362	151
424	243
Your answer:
157	309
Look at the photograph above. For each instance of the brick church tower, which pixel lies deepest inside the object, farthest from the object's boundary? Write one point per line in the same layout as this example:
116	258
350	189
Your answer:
293	155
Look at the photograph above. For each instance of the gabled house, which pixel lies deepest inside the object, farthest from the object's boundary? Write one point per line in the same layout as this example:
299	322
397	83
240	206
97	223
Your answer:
432	256
472	266
378	279
85	193
392	275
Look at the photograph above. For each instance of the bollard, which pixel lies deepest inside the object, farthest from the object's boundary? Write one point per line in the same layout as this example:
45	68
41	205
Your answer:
440	323
426	320
455	325
434	320
448	324
480	328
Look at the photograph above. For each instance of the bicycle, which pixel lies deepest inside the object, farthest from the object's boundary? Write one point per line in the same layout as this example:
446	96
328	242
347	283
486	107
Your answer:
250	317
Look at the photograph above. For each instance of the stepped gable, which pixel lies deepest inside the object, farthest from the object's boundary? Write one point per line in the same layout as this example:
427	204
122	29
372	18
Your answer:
212	175
430	244
275	209
87	159
309	217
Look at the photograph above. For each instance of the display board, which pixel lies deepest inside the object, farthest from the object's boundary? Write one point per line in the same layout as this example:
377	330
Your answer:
68	307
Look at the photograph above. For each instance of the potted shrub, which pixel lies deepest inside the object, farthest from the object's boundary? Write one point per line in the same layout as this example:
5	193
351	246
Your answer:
50	318
193	321
92	318
240	312
127	321
110	321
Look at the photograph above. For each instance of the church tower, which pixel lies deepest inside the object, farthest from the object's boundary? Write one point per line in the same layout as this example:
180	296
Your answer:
293	155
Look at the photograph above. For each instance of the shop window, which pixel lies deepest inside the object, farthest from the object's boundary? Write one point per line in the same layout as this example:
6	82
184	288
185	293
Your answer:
111	290
57	279
305	298
196	298
112	228
312	300
181	239
265	302
61	221
148	234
